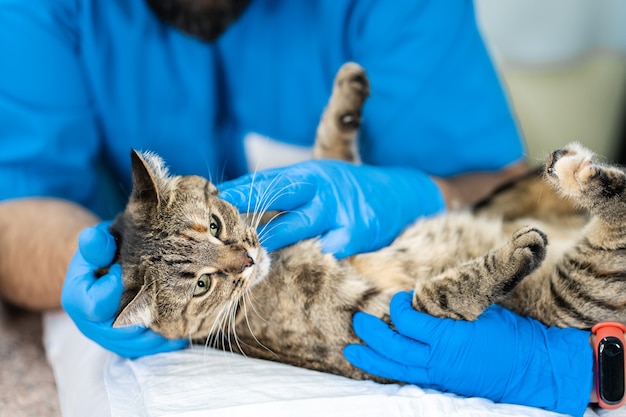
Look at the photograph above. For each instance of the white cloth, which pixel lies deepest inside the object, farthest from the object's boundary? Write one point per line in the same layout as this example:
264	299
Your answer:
77	364
263	152
205	382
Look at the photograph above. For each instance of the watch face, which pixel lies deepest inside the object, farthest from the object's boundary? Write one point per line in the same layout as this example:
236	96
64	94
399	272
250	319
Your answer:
611	370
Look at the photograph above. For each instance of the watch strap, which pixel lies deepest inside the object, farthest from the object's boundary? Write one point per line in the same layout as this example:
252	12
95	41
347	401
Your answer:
610	367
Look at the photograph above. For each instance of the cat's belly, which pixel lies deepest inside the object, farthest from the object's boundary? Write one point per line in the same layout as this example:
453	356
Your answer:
429	247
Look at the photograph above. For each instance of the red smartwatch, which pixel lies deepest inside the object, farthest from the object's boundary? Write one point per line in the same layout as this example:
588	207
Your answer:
609	364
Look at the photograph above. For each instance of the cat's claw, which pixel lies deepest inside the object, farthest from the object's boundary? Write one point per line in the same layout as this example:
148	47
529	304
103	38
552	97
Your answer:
570	168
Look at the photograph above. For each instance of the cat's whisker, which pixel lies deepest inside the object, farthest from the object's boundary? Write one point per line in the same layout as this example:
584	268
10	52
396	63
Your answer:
226	330
261	204
254	173
245	311
251	188
250	297
269	196
268	227
217	332
217	329
232	325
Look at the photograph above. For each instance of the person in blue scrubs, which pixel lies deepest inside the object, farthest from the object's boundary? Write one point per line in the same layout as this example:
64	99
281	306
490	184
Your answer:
84	81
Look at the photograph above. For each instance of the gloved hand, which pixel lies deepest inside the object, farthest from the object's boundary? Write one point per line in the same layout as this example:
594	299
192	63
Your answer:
353	208
500	356
92	302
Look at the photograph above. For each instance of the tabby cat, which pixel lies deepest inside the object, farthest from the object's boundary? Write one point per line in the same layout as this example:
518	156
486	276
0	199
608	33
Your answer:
193	266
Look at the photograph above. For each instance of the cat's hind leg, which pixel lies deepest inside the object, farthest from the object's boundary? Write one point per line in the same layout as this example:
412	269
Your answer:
587	283
337	131
465	291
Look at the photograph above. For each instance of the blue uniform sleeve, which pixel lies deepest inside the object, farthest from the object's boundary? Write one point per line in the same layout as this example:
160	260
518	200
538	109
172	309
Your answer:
435	93
48	131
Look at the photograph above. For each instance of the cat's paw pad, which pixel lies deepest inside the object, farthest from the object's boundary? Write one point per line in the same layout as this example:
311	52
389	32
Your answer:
351	79
351	89
530	241
571	168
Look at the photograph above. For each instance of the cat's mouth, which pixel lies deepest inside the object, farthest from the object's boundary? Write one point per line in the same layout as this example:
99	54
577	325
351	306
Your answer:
260	268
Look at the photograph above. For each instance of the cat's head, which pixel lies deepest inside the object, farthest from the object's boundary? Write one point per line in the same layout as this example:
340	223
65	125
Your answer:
187	256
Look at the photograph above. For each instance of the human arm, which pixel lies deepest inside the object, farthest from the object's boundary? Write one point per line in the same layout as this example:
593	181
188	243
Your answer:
39	242
48	142
38	239
500	356
53	182
467	189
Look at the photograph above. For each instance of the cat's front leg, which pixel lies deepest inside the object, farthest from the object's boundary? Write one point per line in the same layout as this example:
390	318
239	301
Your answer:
600	188
464	292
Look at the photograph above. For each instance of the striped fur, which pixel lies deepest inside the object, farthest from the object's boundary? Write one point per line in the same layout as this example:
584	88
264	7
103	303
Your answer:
194	268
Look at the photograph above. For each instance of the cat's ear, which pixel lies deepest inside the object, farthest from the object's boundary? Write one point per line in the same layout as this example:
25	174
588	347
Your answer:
137	312
145	186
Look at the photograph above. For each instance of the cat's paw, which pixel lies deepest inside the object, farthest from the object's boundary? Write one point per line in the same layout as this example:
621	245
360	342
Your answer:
529	244
570	167
351	90
573	169
576	172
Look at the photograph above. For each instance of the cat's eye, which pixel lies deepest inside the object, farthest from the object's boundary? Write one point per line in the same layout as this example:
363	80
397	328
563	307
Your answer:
215	227
202	285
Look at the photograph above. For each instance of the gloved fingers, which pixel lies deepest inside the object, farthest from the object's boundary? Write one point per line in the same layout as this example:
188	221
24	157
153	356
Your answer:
87	297
79	278
337	242
306	222
412	323
376	364
343	242
97	245
287	229
105	294
159	344
278	189
389	343
130	342
141	340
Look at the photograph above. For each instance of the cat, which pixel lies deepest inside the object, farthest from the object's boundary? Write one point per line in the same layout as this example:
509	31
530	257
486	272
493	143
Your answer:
193	267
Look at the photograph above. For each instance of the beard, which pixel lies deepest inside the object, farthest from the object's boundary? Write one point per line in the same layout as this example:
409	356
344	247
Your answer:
204	19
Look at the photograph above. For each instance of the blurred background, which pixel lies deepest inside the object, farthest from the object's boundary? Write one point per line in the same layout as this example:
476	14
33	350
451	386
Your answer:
564	65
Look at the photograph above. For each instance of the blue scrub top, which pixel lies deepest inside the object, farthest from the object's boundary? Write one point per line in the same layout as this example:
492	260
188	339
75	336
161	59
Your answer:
84	81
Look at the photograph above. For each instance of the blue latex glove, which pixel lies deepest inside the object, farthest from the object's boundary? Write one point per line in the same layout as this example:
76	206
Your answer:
354	208
501	356
92	302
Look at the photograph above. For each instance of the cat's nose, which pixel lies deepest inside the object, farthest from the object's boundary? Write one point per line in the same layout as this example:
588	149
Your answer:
238	260
248	260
